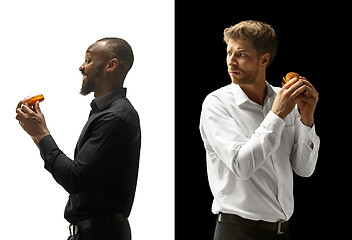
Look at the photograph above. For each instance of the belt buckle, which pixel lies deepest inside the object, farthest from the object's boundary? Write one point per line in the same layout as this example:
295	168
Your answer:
279	223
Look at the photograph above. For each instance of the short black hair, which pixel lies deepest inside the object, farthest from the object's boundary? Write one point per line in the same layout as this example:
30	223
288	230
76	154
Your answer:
120	49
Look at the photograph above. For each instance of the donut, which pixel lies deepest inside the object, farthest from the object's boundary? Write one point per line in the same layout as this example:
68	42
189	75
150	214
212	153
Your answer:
31	100
288	77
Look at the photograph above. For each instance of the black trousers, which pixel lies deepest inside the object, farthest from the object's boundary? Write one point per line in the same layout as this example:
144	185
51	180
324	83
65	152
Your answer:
121	231
231	231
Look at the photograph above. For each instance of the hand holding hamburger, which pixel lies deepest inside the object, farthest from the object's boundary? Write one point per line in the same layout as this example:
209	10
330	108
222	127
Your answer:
296	90
289	76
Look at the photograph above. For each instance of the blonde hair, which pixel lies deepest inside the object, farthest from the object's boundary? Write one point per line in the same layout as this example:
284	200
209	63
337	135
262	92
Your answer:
262	36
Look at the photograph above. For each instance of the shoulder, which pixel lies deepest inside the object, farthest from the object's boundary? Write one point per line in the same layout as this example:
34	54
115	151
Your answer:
121	108
214	98
120	113
216	103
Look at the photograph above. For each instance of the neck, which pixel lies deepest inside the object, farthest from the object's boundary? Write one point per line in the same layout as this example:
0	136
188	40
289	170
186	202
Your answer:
109	85
256	91
103	92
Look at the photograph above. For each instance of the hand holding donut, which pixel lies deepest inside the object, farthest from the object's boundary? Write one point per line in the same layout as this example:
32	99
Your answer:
31	118
31	100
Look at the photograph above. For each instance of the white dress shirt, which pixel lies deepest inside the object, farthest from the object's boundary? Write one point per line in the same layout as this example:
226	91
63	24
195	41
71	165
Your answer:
251	154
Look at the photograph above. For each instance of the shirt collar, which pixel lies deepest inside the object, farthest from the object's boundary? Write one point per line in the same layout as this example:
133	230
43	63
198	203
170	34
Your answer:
103	102
241	97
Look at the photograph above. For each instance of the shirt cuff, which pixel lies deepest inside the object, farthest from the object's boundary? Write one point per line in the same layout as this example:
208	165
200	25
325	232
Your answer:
273	122
307	136
306	132
47	145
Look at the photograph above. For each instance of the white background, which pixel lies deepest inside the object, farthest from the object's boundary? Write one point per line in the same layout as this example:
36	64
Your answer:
43	43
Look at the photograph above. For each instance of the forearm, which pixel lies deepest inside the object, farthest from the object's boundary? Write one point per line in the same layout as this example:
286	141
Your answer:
58	164
93	159
45	132
307	145
242	155
259	147
308	120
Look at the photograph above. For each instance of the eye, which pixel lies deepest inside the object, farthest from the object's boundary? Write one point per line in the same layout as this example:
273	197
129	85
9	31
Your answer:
87	60
242	55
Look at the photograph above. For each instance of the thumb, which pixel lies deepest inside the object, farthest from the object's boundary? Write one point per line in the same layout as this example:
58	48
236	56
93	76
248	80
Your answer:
37	108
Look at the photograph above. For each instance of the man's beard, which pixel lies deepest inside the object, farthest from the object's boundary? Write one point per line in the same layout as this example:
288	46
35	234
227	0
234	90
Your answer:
90	84
245	77
87	87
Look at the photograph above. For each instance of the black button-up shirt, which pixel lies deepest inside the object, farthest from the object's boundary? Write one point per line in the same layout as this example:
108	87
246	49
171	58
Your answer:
102	177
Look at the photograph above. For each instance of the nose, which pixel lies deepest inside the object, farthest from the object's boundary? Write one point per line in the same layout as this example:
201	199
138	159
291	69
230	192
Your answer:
81	68
231	60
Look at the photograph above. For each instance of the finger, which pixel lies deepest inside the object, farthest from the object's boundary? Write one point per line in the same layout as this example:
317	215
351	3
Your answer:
305	95
295	86
19	105
305	81
20	114
311	90
26	109
37	108
300	90
290	83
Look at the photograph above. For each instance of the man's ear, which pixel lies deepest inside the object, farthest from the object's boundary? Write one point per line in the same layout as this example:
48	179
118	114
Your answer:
113	63
264	60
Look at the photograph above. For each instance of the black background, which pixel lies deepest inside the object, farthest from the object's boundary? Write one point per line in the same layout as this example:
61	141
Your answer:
313	41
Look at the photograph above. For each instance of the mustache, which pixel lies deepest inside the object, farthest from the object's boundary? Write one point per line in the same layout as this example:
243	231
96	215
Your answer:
234	69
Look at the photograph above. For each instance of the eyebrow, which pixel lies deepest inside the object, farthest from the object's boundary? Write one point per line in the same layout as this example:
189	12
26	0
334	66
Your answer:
239	50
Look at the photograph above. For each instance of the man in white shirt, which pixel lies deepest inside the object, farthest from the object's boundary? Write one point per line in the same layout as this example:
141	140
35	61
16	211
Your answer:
255	138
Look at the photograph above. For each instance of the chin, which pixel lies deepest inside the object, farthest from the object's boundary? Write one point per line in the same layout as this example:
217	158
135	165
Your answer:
85	90
235	81
243	81
238	81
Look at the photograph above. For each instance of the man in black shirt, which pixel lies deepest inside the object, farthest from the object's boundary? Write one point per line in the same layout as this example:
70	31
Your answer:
101	180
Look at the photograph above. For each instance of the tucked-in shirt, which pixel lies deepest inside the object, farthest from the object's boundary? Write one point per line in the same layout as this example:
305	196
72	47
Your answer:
251	154
101	180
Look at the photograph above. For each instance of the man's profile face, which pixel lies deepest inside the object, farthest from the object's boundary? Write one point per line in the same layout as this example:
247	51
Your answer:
92	68
242	61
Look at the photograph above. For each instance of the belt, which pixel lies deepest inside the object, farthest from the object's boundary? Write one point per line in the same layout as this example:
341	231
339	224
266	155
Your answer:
106	220
279	227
